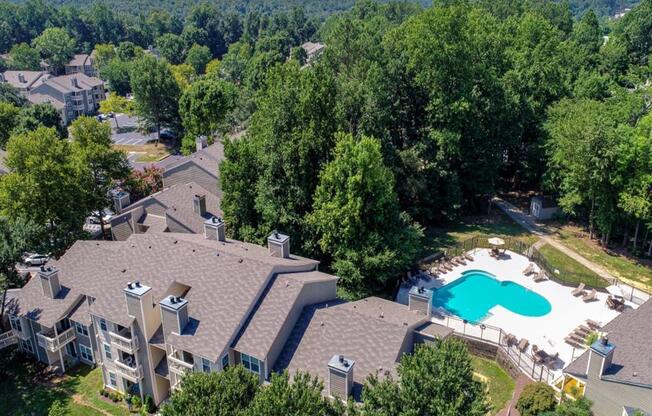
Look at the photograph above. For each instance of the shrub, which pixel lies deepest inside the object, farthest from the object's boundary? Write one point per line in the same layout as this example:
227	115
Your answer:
135	401
535	399
101	392
57	409
149	404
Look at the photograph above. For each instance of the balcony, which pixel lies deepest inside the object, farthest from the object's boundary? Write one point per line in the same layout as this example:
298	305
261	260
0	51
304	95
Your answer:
178	366
130	372
124	341
54	343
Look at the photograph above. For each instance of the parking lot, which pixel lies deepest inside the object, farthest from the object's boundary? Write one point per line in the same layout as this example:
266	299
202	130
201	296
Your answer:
125	132
132	138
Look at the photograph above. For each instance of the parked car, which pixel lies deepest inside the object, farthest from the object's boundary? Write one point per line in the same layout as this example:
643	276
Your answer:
93	218
36	259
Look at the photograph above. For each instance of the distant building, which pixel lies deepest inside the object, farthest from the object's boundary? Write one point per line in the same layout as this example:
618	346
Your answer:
313	50
73	95
24	81
82	63
543	208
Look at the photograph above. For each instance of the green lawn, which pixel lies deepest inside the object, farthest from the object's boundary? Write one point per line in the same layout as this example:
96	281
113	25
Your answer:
500	385
570	271
626	269
468	227
26	390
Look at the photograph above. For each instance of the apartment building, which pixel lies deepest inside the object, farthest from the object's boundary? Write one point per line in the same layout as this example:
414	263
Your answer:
82	63
73	95
615	373
24	81
150	309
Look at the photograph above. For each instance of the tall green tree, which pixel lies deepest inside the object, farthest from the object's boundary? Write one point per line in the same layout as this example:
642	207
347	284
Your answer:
117	74
156	92
22	56
198	57
8	113
171	47
227	393
34	116
56	46
356	218
99	165
435	380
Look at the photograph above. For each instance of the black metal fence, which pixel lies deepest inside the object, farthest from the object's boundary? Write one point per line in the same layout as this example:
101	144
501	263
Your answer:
511	243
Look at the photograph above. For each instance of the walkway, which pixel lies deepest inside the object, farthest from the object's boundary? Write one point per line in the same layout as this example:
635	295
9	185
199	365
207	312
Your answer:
529	223
510	407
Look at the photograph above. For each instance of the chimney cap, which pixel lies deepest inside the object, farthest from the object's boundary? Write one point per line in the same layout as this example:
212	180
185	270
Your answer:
173	302
603	346
341	363
421	292
47	271
136	288
278	237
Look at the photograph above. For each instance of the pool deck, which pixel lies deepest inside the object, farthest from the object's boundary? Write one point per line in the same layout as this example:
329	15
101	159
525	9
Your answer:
548	331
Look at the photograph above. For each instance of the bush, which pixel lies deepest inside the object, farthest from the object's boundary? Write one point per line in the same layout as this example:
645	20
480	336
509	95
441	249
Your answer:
535	399
149	404
135	402
101	392
57	409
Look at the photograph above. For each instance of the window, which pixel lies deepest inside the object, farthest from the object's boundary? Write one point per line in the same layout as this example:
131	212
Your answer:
225	361
15	323
81	329
27	346
206	365
251	363
86	353
103	326
107	352
112	380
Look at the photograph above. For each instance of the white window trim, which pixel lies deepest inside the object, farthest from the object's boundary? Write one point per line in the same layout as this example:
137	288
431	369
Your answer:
106	325
115	377
81	329
249	360
82	348
110	352
15	321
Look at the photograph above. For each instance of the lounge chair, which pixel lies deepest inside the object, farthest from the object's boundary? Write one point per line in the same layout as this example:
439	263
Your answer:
510	339
591	296
583	329
459	261
593	324
529	269
523	344
573	342
578	337
551	360
540	277
447	266
579	290
615	304
468	257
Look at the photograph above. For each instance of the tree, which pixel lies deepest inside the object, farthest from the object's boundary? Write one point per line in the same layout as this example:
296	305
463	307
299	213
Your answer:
8	114
25	58
116	74
204	107
183	74
435	380
104	53
101	167
171	47
535	399
34	116
357	220
198	57
227	393
579	407
143	183
115	103
9	94
55	46
57	408
156	92
43	186
300	396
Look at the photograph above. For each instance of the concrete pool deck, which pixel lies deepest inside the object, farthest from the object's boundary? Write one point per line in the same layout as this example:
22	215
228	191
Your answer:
548	331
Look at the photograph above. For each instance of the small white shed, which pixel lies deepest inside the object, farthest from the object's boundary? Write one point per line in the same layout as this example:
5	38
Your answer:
543	207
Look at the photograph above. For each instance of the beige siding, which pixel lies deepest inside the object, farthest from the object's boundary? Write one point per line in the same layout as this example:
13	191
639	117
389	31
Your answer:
337	385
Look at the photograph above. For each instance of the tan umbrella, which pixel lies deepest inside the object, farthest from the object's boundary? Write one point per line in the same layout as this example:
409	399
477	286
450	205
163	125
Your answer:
495	241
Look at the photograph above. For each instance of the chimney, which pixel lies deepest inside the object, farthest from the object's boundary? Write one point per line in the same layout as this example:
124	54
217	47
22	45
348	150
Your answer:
121	200
21	78
278	245
199	204
174	314
49	277
340	377
601	353
134	293
201	142
420	300
214	229
74	82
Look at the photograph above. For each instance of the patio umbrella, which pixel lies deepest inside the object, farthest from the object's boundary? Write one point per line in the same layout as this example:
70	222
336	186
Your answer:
495	241
615	290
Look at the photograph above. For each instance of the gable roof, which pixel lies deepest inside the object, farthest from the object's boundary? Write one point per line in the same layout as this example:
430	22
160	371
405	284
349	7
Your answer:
64	83
37	98
208	159
80	60
13	78
631	333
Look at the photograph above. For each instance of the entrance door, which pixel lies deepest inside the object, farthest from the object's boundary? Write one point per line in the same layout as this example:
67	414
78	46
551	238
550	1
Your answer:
71	349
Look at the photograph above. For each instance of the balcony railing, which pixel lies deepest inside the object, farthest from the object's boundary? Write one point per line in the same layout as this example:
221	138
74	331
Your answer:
131	373
179	366
126	344
52	342
8	338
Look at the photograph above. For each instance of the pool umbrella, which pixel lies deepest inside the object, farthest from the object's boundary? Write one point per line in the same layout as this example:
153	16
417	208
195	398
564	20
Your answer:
495	241
615	290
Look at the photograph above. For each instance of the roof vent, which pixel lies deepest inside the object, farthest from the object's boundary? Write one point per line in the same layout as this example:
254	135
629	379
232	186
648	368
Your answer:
130	285
173	299
137	283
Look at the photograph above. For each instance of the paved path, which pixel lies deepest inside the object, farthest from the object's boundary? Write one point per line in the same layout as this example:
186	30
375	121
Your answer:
529	223
510	407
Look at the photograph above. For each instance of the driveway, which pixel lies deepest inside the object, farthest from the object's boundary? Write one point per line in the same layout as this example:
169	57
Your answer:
133	138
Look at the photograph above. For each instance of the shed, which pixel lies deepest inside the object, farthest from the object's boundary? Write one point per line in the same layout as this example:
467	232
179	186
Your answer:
543	207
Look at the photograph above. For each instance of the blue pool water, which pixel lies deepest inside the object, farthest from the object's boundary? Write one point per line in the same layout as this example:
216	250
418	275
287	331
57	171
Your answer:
472	296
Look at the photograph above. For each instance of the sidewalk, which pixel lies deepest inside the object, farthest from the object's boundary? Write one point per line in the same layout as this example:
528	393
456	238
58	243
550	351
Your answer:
529	223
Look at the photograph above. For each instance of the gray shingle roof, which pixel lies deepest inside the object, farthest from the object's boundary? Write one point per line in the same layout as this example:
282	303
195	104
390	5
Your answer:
31	78
64	83
43	99
224	283
370	331
270	316
631	333
207	158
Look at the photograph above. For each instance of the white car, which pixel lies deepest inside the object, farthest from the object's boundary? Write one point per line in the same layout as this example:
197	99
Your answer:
93	218
36	260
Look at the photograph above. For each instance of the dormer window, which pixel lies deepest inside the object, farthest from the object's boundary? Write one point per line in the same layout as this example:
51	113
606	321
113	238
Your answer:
251	363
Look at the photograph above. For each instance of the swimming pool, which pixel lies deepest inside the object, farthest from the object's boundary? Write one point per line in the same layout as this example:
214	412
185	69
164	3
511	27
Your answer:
472	296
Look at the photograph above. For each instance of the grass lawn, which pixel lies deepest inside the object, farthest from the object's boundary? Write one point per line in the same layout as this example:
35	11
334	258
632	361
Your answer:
500	385
26	390
626	269
487	226
570	271
147	153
